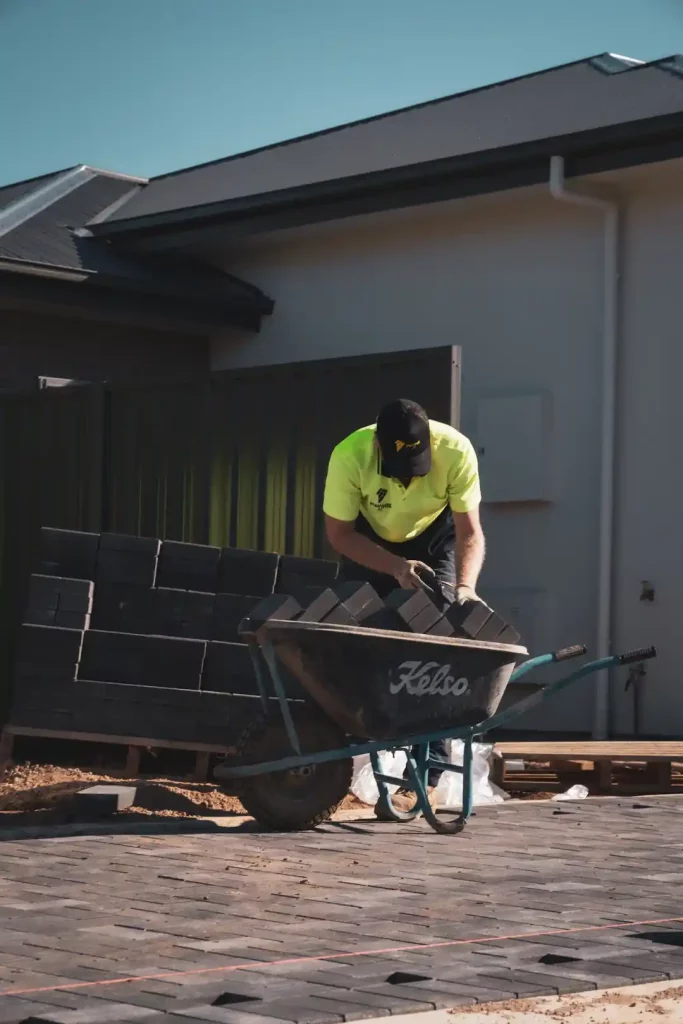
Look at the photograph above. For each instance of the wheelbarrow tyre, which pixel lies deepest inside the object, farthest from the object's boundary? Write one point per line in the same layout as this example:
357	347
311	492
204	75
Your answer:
302	798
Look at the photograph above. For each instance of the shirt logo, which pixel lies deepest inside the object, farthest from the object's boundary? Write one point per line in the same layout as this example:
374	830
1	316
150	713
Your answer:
404	444
381	504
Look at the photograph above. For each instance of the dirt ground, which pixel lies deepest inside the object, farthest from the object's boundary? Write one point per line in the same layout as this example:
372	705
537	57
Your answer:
643	1004
32	794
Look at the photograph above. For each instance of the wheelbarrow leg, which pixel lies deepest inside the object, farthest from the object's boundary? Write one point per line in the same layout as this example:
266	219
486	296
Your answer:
271	661
418	777
418	771
418	774
467	788
385	805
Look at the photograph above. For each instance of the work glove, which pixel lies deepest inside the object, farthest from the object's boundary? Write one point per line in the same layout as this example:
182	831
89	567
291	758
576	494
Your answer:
414	575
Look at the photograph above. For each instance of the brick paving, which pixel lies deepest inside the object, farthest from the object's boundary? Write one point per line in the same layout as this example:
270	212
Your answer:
351	921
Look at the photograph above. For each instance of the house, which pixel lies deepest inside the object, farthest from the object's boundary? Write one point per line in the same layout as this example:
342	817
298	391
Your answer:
73	307
535	226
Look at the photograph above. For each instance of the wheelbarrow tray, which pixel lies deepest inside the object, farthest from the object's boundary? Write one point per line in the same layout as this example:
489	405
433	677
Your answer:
379	684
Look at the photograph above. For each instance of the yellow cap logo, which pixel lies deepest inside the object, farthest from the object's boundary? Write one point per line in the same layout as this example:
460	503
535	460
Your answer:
403	444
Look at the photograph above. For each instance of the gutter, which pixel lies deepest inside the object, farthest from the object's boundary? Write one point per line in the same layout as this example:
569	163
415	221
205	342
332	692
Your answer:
610	334
23	281
54	271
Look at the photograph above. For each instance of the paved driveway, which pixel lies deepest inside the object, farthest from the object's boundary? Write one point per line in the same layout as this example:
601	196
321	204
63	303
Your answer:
348	922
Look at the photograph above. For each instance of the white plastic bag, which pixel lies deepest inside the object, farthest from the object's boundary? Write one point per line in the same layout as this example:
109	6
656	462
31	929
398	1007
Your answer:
484	792
573	793
449	789
363	785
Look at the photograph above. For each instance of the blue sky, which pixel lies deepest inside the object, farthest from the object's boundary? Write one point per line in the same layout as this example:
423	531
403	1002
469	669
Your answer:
147	86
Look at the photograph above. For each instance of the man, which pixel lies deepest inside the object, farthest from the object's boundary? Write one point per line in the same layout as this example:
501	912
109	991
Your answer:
401	508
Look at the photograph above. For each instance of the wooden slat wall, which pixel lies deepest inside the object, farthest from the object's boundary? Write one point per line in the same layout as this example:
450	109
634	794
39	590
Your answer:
238	458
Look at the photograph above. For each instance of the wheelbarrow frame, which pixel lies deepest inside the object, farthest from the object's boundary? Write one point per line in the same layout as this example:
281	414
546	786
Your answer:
267	672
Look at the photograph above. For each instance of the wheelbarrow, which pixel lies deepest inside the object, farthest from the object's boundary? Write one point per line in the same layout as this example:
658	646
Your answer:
367	691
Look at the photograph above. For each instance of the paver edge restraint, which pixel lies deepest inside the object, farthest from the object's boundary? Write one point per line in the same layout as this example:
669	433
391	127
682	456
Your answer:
261	964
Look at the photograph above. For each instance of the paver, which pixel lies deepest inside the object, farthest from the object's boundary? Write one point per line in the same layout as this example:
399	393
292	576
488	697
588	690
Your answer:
104	799
68	553
296	573
267	946
188	566
141	660
13	1010
217	1015
56	601
247	572
229	611
116	1013
48	653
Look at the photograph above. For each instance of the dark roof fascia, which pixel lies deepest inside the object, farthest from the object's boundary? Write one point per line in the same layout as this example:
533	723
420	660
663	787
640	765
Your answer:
174	285
597	150
528	174
253	301
72	292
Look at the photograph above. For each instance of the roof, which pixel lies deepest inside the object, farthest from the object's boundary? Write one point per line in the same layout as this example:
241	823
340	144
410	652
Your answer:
10	193
588	98
43	233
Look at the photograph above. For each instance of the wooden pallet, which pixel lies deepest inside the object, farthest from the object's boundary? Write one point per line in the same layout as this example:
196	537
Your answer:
135	744
604	766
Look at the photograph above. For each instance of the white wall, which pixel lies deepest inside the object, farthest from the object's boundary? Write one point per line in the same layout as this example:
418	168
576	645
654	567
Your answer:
650	465
517	283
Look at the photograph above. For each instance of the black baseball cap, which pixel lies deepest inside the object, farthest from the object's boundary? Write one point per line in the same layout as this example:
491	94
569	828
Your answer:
404	439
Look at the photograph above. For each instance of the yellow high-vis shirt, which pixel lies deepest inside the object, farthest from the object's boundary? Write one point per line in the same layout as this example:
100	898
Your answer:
396	513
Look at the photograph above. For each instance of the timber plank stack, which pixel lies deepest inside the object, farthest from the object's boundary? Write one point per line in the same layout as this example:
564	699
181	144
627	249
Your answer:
603	766
132	637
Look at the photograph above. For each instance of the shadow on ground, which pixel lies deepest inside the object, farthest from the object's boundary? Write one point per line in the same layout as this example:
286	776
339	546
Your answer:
168	802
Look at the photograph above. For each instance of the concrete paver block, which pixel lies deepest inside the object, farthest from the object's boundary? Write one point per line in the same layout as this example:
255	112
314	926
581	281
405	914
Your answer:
104	800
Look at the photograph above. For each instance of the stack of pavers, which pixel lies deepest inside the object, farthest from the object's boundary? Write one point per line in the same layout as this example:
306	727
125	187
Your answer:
133	637
358	604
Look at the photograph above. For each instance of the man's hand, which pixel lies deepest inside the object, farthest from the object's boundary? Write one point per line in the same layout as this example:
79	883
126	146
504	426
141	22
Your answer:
464	594
414	575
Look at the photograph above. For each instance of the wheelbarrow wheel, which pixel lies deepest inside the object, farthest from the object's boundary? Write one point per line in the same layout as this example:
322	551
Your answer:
299	798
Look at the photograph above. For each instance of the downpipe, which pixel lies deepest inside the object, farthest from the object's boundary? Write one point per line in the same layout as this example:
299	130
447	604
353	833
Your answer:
610	331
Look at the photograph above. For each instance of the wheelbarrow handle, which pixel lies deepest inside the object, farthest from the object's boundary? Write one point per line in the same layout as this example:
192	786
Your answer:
565	653
577	651
545	692
642	654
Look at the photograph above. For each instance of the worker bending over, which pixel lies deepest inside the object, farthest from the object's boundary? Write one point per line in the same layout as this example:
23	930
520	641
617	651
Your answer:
402	509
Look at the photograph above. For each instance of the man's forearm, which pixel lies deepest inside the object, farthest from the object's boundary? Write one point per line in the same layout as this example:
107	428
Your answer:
470	549
363	551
